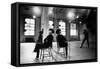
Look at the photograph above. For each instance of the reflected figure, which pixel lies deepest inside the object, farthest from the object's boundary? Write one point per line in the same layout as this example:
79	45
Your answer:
62	40
39	43
40	37
47	42
86	37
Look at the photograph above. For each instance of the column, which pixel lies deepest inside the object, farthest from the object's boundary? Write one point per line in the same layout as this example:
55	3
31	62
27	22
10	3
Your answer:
44	22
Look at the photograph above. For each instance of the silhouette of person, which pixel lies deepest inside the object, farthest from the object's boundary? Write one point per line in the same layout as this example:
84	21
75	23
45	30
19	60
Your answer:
47	42
40	37
86	37
39	43
62	41
49	39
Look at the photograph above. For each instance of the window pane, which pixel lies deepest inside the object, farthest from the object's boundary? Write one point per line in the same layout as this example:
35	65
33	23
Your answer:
29	26
50	24
73	31
27	20
63	33
62	26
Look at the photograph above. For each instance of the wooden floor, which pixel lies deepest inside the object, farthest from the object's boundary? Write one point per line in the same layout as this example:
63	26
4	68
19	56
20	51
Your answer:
28	56
74	53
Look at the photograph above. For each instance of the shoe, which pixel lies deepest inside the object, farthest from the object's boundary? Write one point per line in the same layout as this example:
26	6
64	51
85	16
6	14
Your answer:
80	47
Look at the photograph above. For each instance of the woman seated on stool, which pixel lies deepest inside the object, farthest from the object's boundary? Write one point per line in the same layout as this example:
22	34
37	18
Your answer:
61	40
47	42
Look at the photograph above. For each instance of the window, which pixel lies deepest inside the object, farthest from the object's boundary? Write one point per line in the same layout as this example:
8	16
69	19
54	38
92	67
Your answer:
51	24
29	26
62	26
73	31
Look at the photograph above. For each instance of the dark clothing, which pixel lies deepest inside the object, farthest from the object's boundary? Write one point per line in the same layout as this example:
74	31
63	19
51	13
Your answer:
38	43
62	42
84	41
86	38
85	34
40	38
47	43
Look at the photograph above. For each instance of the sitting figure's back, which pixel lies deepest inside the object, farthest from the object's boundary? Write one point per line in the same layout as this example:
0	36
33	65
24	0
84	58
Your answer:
61	40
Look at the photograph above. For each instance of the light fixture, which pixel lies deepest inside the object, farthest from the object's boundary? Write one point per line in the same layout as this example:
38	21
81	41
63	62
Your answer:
80	22
70	15
77	16
50	11
37	11
34	17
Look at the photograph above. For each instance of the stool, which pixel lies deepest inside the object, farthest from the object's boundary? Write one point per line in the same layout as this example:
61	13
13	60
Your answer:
43	54
63	52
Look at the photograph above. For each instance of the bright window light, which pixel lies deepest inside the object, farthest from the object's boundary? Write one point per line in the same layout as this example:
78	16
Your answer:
62	27
73	31
29	26
51	24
